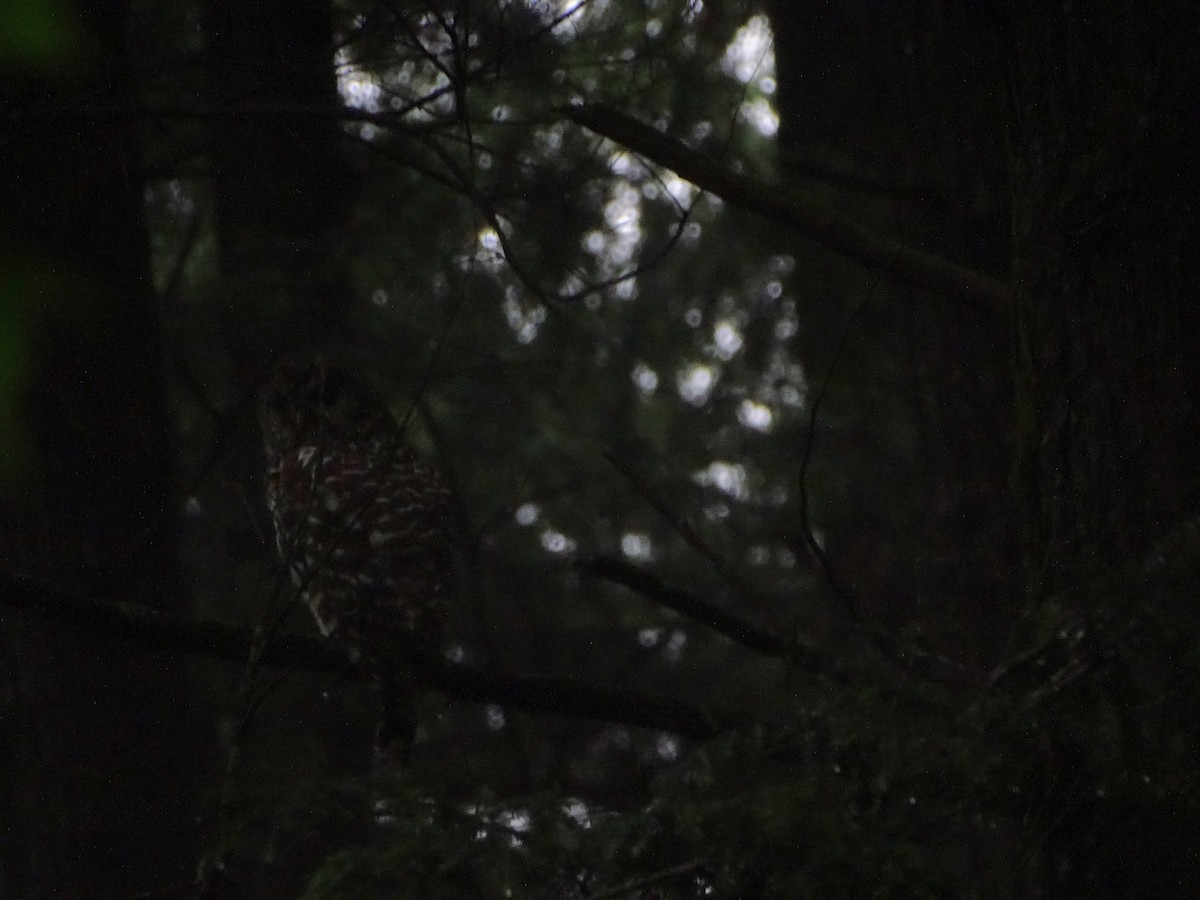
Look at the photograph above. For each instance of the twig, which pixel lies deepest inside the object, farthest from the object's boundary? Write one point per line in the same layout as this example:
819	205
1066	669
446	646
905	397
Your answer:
463	183
636	884
814	546
920	662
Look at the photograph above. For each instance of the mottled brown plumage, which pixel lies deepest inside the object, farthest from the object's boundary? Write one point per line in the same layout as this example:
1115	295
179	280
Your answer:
361	524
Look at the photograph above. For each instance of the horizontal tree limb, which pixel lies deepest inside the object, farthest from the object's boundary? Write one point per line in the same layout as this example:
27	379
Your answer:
784	204
531	693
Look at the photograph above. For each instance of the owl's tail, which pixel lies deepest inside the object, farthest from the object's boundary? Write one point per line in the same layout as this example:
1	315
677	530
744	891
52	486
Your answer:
398	722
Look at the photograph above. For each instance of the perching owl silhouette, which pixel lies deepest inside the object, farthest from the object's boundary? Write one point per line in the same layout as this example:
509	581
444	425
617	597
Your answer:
361	525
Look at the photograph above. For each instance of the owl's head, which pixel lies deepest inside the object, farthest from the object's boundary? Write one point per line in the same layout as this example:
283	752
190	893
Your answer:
309	402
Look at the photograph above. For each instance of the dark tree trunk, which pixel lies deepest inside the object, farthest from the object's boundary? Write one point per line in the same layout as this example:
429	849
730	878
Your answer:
1105	202
283	186
98	792
1099	128
280	175
888	109
1102	131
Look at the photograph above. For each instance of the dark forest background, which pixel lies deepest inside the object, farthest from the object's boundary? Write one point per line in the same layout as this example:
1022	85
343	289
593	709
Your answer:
818	387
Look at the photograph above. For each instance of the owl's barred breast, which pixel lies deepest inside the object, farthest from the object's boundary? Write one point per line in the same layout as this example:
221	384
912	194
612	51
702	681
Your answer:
361	524
366	543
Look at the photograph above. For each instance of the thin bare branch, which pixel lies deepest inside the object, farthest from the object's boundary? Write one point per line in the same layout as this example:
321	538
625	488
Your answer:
646	881
462	181
915	660
782	203
732	626
843	596
682	527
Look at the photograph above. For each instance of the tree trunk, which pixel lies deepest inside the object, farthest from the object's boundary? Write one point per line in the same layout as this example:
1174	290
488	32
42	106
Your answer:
886	110
280	176
1102	130
1105	206
99	745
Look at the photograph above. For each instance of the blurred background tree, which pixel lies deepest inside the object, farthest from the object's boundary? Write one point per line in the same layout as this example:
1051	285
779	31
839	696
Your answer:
87	486
828	370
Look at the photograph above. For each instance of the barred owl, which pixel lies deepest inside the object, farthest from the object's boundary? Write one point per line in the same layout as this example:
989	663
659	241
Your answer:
361	525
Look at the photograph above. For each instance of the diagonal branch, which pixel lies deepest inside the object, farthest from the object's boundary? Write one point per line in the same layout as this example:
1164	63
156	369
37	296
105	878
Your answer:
531	693
682	527
735	627
782	203
638	884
